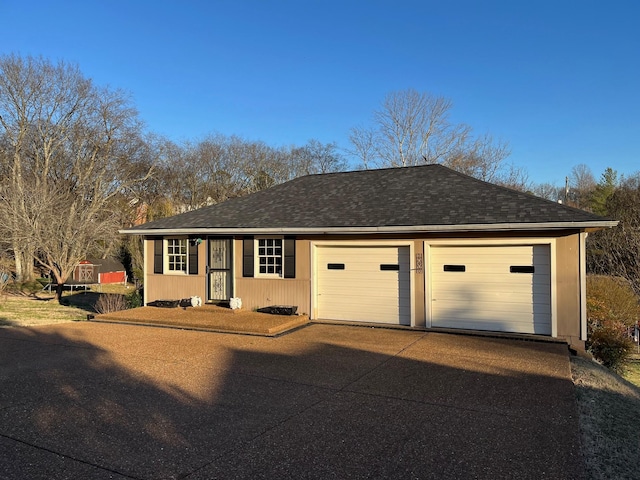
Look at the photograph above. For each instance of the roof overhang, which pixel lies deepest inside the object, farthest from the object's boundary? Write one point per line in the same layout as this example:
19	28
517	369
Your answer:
484	227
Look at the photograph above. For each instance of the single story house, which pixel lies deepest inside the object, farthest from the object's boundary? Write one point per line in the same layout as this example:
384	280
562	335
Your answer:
422	246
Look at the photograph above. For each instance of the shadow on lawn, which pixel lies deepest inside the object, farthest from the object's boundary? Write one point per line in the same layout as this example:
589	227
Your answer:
198	406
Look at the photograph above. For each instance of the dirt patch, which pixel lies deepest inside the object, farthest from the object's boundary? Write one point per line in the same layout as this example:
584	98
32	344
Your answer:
208	317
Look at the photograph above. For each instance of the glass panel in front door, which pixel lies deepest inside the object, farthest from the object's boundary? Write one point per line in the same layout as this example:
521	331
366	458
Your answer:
219	268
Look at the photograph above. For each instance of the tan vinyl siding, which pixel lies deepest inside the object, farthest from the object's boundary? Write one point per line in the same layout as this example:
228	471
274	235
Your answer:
175	286
263	292
568	285
259	292
419	285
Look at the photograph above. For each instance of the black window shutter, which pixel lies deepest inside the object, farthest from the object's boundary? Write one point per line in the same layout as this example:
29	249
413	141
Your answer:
193	257
247	257
158	260
289	257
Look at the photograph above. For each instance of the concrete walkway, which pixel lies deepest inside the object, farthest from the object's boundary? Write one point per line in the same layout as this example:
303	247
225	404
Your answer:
104	401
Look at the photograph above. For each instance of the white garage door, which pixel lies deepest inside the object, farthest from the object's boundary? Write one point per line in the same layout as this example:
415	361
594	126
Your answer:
499	288
366	284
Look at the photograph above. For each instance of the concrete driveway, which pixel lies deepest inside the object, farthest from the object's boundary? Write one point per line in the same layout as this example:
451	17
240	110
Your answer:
87	400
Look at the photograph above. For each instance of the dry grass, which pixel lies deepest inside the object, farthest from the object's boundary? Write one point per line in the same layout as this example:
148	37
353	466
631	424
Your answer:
30	311
113	288
632	371
609	408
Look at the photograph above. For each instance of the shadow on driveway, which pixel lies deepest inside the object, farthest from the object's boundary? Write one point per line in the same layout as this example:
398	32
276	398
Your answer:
111	401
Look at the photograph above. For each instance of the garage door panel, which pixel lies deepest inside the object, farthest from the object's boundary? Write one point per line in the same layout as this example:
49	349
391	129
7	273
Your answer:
365	300
514	308
498	282
372	287
535	293
352	276
493	284
488	295
364	284
466	253
361	312
358	309
538	328
487	268
482	298
351	281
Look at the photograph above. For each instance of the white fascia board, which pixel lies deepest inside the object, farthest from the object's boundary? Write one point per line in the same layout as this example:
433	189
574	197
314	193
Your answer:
493	227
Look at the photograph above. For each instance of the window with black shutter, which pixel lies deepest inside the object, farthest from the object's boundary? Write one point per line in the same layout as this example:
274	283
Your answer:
158	257
247	257
269	257
193	256
289	257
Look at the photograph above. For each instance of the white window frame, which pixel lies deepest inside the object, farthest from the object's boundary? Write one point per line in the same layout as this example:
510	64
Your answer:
167	255
258	256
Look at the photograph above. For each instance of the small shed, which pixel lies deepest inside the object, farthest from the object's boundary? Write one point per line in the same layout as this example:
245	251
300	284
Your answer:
99	270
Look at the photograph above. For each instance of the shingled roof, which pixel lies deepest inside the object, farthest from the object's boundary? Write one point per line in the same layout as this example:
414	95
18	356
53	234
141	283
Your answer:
425	198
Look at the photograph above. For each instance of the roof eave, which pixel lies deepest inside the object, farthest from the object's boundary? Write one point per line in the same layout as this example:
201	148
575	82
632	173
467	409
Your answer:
487	227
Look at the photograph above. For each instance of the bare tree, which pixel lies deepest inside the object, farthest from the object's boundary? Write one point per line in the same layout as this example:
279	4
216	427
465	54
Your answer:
70	158
316	157
364	143
582	183
413	128
483	158
514	177
548	191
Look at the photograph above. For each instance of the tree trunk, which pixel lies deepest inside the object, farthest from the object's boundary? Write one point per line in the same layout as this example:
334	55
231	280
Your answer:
59	284
59	290
24	264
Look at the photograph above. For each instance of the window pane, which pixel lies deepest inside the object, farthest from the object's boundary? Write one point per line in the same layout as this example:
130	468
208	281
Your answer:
269	253
177	254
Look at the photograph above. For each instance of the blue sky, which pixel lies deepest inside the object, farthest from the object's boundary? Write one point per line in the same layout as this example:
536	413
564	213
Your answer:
558	80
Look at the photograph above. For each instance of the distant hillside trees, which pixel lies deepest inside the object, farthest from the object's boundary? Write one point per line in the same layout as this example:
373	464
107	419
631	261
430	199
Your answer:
616	251
76	165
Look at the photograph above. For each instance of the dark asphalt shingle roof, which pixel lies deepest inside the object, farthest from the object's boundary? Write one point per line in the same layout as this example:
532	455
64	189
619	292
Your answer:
107	264
429	195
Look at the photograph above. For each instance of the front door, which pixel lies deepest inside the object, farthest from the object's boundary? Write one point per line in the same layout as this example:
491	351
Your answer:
219	270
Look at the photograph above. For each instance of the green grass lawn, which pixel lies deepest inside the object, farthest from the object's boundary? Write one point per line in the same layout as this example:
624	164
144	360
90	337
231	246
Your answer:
24	311
41	307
